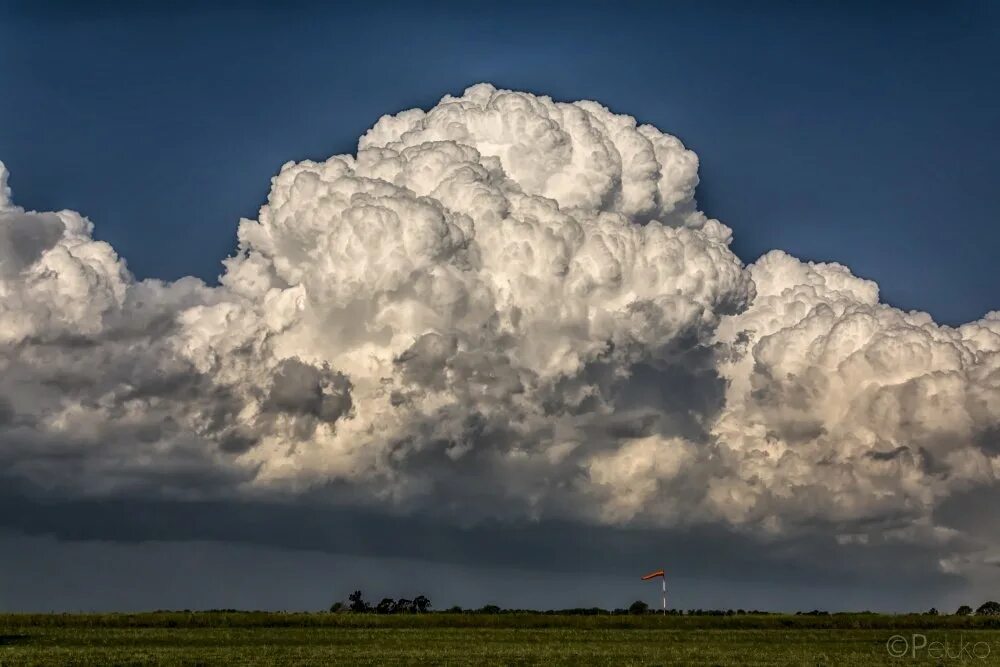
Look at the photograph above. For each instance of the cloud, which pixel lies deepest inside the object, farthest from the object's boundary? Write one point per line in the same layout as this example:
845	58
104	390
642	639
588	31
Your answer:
504	307
842	408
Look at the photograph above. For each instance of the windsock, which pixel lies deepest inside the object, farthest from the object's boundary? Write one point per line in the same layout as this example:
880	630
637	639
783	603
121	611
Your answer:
654	575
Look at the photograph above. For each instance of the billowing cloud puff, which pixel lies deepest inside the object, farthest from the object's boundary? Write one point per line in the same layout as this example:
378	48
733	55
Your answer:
504	306
842	408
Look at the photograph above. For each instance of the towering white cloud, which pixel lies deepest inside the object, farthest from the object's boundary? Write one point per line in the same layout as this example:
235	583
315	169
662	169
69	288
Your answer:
503	306
843	408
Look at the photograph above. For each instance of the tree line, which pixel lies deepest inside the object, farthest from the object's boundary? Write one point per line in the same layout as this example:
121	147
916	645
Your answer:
357	604
422	604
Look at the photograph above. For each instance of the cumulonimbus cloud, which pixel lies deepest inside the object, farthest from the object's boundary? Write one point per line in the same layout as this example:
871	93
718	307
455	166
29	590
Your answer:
504	306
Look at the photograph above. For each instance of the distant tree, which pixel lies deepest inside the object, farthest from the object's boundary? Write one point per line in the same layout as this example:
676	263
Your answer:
336	606
386	606
638	607
421	603
358	603
402	606
932	611
454	610
489	609
989	609
964	610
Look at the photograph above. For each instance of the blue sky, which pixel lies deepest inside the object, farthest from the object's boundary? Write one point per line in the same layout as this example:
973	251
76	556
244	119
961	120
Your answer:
864	133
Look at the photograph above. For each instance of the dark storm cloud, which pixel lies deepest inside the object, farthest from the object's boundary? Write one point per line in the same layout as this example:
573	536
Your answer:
544	546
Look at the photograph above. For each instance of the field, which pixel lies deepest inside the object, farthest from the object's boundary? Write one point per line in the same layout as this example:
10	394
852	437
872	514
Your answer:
176	638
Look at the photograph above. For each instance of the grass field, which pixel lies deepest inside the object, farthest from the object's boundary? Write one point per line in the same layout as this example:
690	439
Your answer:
471	639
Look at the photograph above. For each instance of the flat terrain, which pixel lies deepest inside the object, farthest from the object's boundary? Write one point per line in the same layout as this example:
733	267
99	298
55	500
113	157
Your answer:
473	639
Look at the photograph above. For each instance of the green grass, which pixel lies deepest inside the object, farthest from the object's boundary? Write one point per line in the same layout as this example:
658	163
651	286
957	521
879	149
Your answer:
472	639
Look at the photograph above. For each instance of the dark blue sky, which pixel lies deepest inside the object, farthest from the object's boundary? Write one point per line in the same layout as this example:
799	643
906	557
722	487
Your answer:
865	133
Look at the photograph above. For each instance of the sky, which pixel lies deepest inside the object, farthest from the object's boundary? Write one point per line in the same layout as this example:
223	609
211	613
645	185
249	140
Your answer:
857	133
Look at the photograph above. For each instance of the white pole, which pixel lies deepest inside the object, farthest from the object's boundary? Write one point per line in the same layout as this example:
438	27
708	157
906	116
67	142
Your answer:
664	595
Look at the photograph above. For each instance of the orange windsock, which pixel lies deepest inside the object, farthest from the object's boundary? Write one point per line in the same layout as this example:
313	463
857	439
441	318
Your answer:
654	575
